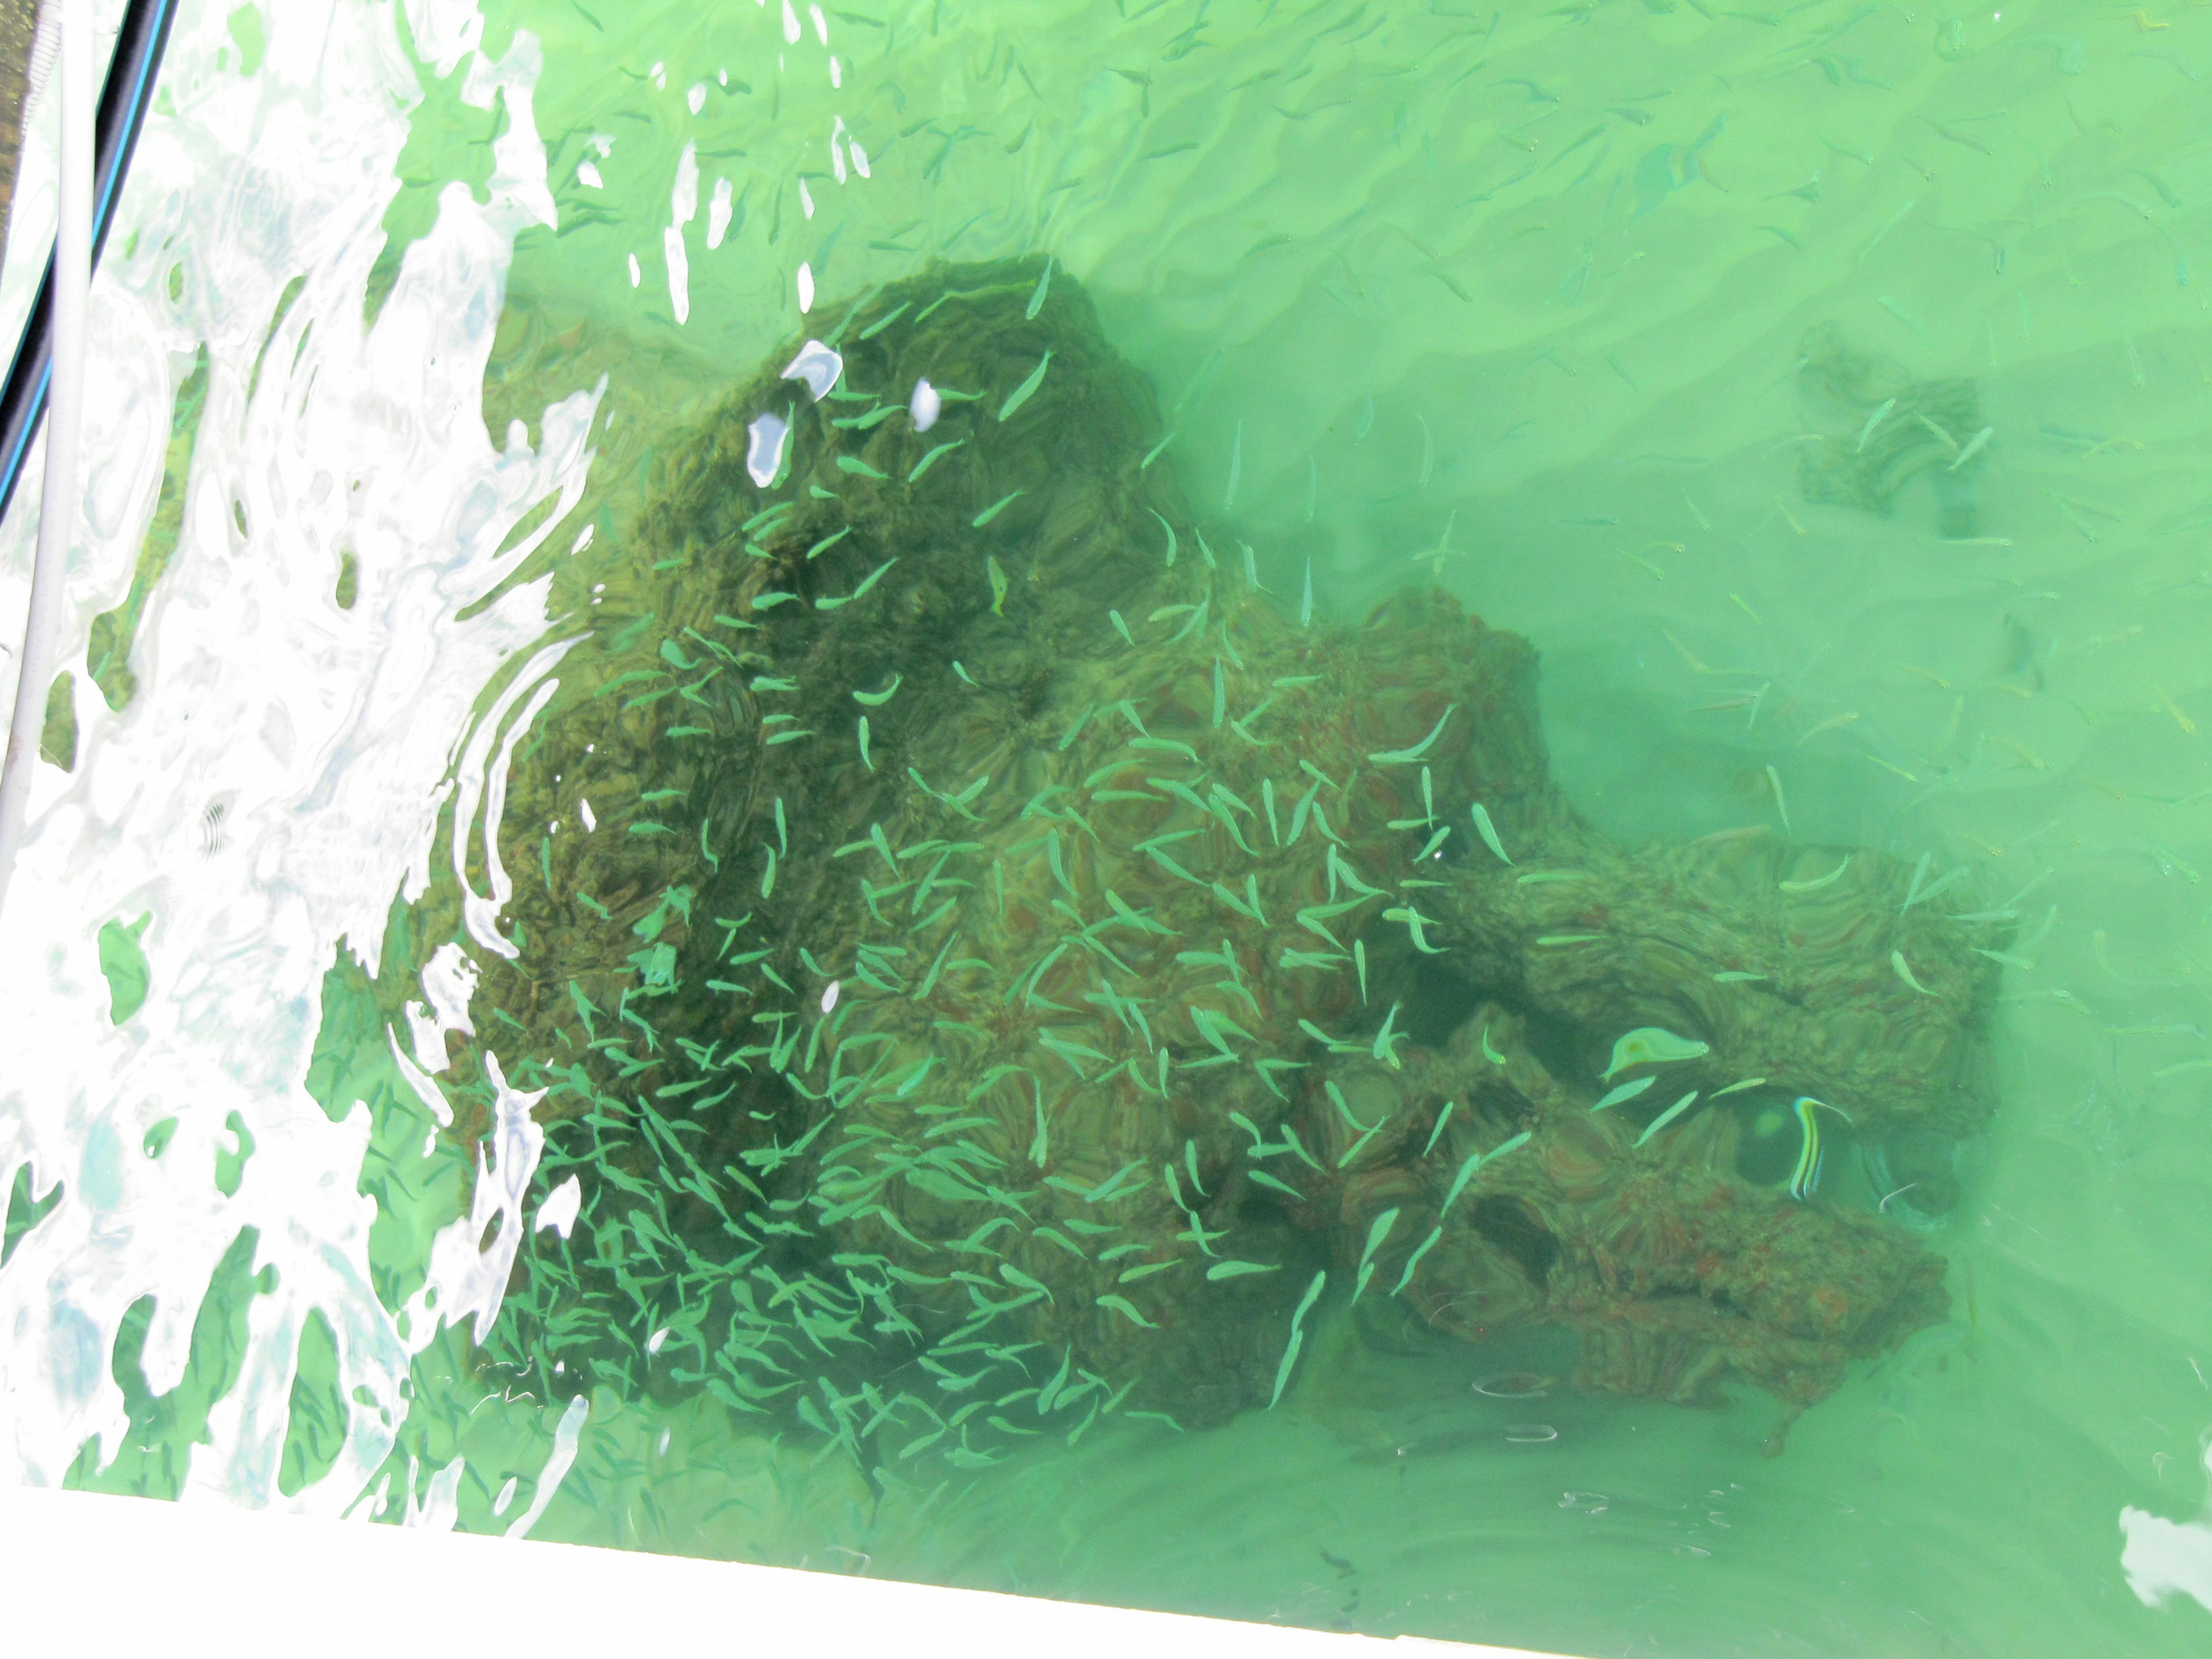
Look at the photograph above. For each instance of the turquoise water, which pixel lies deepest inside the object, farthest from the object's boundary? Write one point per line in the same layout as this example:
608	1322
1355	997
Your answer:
1517	304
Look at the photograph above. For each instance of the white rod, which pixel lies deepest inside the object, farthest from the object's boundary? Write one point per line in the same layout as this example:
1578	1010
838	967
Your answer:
65	413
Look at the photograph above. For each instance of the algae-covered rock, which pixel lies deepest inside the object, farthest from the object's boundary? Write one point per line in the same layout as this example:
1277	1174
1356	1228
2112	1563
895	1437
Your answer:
1878	428
987	966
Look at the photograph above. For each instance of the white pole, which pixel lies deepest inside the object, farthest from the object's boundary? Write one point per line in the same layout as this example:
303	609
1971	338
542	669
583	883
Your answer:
65	411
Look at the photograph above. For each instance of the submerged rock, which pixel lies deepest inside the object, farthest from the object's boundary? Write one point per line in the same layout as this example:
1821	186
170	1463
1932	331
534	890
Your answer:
986	967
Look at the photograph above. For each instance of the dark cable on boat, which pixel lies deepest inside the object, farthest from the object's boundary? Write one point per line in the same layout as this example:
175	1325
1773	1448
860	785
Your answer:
95	148
123	103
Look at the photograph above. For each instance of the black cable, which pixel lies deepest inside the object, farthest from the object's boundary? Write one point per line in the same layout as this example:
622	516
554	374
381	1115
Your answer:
122	103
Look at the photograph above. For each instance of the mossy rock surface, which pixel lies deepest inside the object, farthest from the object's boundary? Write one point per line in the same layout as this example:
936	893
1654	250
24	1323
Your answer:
986	966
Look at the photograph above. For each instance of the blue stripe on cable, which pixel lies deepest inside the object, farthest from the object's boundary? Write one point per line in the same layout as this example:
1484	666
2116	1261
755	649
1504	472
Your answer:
13	463
144	35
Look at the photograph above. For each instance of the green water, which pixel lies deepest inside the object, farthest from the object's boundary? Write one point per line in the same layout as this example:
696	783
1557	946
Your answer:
1517	303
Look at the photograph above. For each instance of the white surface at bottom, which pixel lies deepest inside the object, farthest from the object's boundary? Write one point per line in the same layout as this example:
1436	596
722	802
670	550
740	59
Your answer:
86	1574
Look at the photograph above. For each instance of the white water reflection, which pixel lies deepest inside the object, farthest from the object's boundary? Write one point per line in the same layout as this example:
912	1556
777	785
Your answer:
328	732
765	440
818	366
477	783
468	1276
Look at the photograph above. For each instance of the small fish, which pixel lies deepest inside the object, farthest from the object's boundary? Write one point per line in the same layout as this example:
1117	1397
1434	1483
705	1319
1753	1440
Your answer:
1919	895
885	321
1895	219
930	460
998	575
1442	1118
1408	757
1626	1091
1818	881
1805	1179
1828	724
814	552
1738	1088
1122	1306
1488	831
1414	1260
1022	393
1897	961
1651	1045
1169	528
1387	1039
1266	1180
1684	651
1973	448
1237	1270
1379	1230
1875	421
1298	1335
1306	606
1459	1184
831	602
996	508
1781	805
1807	1176
1037	300
1435	556
1668	1117
1945	438
1897	309
1512	1146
